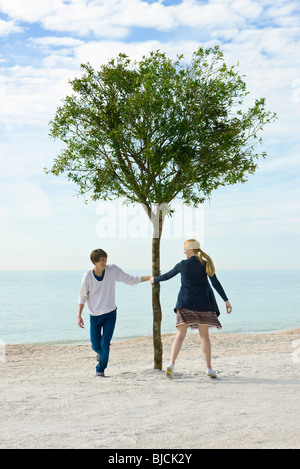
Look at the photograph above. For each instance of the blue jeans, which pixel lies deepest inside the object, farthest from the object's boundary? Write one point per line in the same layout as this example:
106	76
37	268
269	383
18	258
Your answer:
101	332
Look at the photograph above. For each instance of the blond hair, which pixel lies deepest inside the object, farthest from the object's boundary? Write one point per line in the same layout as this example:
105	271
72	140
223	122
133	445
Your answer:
201	255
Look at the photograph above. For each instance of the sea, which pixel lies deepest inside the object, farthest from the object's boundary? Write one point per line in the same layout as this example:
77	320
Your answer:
40	307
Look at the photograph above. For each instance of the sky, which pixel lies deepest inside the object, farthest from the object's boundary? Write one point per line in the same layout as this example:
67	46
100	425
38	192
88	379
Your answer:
44	225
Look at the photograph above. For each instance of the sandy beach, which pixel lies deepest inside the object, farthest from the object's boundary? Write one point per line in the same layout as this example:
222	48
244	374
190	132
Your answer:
50	397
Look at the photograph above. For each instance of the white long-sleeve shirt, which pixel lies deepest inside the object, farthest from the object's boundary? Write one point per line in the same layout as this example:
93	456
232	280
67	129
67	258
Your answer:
99	296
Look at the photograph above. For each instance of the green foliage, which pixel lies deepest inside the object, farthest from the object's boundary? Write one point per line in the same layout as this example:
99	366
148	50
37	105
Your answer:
153	130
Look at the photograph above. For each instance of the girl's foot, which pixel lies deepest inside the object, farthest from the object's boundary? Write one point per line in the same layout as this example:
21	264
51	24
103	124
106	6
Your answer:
211	373
169	372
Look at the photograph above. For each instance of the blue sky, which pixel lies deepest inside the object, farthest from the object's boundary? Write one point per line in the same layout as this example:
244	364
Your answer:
43	225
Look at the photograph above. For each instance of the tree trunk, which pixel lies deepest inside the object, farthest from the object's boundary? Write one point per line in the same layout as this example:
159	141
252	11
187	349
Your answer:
157	315
157	344
156	216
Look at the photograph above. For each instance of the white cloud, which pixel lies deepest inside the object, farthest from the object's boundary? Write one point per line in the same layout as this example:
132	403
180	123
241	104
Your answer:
98	53
59	51
116	17
49	41
284	12
270	60
268	57
32	95
78	16
247	8
8	27
30	11
130	13
84	18
207	15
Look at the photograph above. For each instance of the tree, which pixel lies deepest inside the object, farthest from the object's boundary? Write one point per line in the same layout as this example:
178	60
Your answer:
157	129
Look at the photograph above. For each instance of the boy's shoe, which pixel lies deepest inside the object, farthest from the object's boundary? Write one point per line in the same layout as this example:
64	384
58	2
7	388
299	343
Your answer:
100	374
211	373
169	372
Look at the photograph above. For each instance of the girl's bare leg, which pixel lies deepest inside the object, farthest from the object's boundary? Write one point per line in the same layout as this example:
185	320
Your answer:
180	335
205	343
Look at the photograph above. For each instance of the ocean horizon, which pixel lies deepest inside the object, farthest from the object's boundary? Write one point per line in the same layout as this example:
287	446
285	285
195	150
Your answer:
40	307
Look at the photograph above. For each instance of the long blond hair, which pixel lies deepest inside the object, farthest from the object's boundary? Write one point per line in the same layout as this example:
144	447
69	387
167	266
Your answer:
201	255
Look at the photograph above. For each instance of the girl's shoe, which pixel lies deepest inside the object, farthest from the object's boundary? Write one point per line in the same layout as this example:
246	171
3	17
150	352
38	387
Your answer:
169	372
211	373
100	374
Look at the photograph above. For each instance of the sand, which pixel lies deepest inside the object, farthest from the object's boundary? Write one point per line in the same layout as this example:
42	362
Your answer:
50	397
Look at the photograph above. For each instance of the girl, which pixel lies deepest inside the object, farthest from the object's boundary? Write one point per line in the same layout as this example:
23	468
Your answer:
196	305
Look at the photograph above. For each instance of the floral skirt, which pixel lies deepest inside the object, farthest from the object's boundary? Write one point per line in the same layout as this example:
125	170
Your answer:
194	319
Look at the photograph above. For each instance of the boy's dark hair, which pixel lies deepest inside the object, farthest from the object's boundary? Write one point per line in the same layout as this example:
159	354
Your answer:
97	254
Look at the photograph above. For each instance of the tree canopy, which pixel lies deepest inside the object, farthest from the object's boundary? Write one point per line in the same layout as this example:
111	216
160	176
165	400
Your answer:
153	130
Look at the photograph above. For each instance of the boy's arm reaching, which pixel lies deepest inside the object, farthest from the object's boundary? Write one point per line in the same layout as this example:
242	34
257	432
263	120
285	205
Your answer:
145	278
122	276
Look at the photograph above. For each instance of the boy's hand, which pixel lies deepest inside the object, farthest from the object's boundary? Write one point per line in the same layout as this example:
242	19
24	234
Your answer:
145	278
80	322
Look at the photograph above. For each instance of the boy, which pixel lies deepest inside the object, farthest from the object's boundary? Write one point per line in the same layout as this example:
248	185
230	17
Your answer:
98	292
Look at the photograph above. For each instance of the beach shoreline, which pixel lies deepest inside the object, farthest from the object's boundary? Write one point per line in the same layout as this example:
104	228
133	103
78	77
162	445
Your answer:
137	337
50	397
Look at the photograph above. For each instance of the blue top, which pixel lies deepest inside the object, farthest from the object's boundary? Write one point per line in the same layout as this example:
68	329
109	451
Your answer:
99	278
195	293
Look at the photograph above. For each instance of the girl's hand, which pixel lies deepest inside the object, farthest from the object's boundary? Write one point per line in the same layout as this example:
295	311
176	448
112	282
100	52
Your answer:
152	280
228	307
